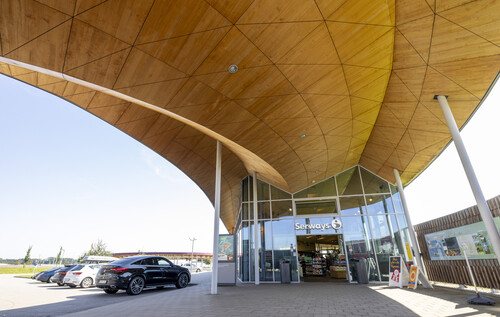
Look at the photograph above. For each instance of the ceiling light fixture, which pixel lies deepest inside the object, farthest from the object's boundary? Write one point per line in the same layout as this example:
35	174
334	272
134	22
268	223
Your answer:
303	135
233	69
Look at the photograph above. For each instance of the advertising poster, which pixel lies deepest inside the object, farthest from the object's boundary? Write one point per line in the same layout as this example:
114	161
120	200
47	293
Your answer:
226	247
413	278
408	251
449	244
395	271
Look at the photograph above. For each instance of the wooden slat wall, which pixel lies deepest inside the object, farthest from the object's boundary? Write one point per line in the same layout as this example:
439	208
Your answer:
486	272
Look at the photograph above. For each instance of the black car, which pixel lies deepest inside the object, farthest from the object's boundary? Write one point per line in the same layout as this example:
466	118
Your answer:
61	273
135	273
46	276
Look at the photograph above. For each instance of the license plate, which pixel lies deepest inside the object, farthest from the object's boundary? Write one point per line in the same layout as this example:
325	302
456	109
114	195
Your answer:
102	281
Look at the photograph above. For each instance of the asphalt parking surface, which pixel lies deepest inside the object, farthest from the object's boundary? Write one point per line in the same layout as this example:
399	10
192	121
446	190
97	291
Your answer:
27	297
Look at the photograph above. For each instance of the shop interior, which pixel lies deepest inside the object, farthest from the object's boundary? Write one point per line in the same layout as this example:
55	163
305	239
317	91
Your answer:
321	258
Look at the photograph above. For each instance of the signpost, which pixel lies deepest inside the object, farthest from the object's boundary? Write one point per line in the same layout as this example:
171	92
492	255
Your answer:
398	275
413	279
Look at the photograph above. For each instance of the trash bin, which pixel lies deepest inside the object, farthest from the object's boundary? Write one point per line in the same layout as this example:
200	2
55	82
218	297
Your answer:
361	272
285	271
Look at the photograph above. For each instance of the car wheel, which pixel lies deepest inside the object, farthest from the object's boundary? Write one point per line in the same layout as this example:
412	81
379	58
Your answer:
110	291
86	282
135	286
198	270
49	280
60	284
182	280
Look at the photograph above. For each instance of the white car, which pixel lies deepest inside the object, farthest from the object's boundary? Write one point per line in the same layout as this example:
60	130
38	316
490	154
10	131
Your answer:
83	275
192	268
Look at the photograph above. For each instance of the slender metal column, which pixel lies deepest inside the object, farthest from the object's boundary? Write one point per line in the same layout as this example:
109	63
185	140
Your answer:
255	231
413	236
484	210
215	256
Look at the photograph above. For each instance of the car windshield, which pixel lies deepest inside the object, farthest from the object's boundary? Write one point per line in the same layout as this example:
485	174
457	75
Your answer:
77	268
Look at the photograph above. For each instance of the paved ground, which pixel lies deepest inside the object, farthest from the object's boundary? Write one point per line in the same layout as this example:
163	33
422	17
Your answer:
306	299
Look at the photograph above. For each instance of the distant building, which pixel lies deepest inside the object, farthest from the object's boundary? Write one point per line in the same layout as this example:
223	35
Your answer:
176	257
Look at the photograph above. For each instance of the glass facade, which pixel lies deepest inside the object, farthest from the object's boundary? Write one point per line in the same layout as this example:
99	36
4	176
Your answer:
369	208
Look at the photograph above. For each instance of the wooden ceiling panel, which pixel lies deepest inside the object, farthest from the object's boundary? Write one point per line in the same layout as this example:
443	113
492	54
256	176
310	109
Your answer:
376	108
350	39
23	21
451	42
264	36
233	49
122	19
377	54
418	33
316	79
329	106
65	7
185	53
46	51
437	84
470	74
413	78
110	114
409	10
87	44
84	5
276	107
232	10
169	19
102	72
263	11
378	12
158	94
104	100
135	72
315	49
405	55
194	92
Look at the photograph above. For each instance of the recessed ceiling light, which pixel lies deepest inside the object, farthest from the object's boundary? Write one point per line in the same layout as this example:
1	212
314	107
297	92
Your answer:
316	171
233	69
303	135
314	181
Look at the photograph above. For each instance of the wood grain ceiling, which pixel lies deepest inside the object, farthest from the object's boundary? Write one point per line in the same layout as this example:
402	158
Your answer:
357	77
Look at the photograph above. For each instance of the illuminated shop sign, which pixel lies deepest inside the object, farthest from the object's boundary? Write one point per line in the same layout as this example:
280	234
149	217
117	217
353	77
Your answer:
335	224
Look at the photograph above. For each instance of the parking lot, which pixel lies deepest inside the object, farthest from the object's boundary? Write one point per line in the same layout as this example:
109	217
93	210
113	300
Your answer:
27	297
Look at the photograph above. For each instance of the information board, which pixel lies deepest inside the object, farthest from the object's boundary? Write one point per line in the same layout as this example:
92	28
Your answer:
395	271
449	244
226	247
413	278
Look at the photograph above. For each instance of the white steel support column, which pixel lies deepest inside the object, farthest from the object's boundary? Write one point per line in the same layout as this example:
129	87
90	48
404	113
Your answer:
255	231
484	210
215	255
413	236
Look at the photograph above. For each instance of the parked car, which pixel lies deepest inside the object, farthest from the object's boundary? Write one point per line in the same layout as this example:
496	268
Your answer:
192	267
81	275
46	276
135	273
61	273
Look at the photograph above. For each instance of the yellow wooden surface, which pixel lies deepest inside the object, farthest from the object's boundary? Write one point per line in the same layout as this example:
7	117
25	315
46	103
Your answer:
357	77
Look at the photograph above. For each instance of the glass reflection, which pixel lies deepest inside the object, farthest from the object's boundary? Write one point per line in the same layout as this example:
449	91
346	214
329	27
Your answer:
373	184
266	251
384	243
281	208
245	249
379	204
316	207
324	189
352	206
262	190
349	183
283	246
264	210
357	240
277	193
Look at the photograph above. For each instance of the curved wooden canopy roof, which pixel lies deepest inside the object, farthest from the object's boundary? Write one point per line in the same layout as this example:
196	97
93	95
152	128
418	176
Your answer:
356	77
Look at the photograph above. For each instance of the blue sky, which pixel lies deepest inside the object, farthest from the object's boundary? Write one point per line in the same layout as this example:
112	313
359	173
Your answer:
68	178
